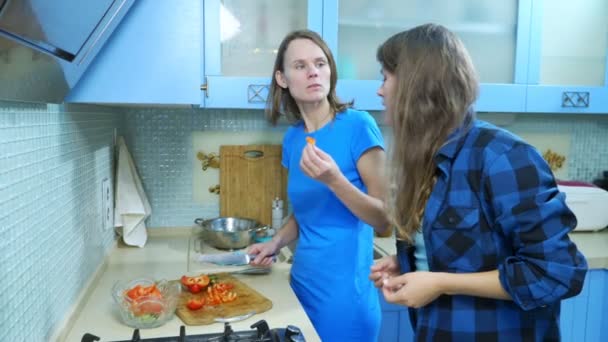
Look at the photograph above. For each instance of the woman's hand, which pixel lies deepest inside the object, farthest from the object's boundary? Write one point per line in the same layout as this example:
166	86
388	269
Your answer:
264	252
414	289
319	165
384	268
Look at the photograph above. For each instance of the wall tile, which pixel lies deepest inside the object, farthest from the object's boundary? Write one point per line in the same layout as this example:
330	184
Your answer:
52	161
161	144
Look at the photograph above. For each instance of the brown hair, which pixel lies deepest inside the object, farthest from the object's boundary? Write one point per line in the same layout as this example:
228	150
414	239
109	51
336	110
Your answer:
279	101
436	85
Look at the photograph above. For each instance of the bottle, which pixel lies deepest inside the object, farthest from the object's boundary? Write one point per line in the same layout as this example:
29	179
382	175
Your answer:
277	213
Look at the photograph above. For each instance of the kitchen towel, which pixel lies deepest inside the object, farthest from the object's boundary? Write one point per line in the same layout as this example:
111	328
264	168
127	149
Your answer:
132	206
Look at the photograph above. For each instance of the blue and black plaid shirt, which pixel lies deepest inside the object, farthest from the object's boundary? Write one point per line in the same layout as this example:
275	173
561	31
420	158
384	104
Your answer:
496	205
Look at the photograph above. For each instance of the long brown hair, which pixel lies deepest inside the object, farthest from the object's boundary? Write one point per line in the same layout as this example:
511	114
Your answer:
279	101
435	88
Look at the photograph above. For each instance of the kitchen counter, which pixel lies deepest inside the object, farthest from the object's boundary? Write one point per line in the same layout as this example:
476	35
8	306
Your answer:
165	256
593	245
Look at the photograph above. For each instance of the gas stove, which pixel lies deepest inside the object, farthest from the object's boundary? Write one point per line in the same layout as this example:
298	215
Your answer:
260	333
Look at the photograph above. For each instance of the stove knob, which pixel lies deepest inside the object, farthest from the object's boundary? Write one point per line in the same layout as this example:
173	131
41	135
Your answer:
293	333
297	338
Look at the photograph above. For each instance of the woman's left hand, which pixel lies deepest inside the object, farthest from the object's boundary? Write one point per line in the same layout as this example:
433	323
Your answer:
414	289
319	165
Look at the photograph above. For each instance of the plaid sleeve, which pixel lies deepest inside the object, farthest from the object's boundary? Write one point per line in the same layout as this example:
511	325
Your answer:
532	215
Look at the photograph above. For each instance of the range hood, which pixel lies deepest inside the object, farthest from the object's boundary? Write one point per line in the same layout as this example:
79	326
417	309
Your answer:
45	46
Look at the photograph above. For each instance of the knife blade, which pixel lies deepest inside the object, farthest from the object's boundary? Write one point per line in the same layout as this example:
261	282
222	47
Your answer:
238	258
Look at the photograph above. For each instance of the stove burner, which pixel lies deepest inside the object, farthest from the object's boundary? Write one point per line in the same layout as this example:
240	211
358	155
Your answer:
262	333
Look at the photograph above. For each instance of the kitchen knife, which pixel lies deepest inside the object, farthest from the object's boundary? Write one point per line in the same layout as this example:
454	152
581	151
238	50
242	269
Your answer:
229	258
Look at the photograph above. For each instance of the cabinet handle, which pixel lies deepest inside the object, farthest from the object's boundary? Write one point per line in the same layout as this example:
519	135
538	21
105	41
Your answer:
205	87
257	93
575	99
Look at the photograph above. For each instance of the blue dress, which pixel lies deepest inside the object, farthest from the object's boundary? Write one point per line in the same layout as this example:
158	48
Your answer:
332	260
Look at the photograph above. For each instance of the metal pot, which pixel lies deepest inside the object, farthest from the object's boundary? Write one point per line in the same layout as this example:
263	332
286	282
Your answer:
228	232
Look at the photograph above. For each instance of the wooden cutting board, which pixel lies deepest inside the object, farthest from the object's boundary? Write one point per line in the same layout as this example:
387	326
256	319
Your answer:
248	300
251	176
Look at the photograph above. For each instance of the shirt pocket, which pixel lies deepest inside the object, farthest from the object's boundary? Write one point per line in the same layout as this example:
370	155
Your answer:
459	245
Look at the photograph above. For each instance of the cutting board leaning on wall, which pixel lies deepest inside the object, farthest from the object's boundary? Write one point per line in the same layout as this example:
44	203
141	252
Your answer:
251	176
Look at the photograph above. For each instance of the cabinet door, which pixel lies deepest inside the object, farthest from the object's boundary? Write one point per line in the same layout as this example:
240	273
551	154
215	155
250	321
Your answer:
241	39
154	57
585	317
395	325
568	61
494	32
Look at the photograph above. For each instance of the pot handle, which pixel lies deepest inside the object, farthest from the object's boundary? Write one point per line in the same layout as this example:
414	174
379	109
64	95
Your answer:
199	221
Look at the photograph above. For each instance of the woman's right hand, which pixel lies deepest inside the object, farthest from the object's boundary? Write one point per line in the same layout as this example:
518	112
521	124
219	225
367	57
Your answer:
384	268
264	253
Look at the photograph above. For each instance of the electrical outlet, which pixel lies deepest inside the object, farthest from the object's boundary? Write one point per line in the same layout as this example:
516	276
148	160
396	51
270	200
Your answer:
107	204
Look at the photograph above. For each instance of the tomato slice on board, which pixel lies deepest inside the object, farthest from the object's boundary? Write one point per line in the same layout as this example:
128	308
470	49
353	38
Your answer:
187	281
202	280
195	303
194	288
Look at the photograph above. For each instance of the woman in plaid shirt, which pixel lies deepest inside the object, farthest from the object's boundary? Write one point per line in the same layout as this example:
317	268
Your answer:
483	252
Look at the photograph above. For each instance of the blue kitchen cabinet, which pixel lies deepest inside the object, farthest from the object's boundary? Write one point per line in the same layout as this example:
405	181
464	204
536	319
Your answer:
153	57
241	40
395	326
212	53
584	318
496	34
568	57
531	55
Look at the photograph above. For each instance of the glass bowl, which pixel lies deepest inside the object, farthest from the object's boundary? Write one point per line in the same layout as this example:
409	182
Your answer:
143	307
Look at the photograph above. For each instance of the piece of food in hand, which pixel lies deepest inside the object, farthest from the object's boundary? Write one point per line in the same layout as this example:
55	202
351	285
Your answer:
195	303
310	140
195	284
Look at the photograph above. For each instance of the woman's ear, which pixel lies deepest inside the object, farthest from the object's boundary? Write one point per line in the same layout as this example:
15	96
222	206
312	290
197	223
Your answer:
280	78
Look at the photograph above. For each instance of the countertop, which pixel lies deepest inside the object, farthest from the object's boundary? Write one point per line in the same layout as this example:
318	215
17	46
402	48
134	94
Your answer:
593	245
165	257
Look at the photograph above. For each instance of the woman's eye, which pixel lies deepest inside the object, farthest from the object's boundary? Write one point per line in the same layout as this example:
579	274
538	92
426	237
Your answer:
321	64
299	66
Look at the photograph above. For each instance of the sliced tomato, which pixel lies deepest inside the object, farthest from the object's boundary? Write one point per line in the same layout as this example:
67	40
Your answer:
133	293
202	280
194	288
228	297
149	307
223	287
187	281
195	303
210	300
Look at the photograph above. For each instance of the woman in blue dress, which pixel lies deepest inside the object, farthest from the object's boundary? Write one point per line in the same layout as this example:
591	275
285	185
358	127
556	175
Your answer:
335	158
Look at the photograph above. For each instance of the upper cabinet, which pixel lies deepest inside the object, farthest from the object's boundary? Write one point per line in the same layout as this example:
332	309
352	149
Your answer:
490	30
568	61
531	55
241	42
154	57
46	46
